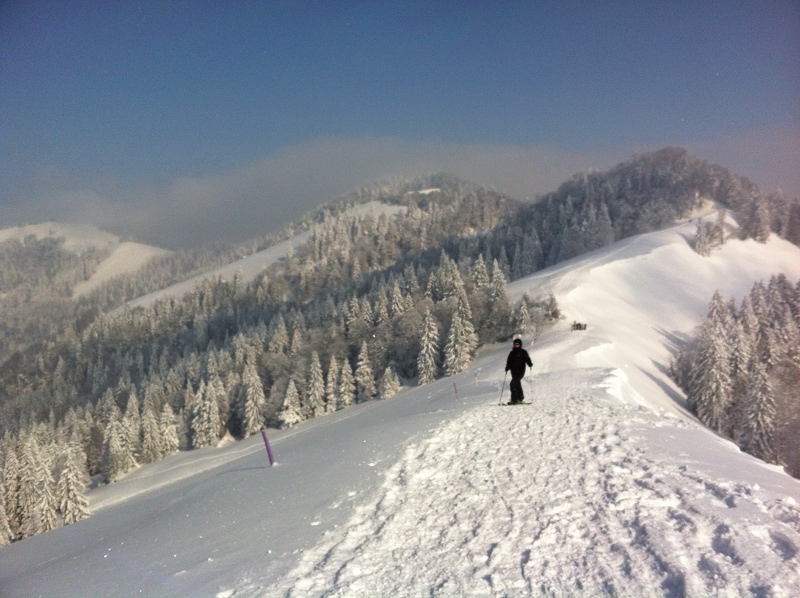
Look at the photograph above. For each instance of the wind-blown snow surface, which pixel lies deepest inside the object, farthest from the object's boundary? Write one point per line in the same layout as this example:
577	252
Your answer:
604	485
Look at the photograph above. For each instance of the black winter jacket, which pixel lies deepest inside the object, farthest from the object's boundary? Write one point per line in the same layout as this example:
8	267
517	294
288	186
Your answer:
518	358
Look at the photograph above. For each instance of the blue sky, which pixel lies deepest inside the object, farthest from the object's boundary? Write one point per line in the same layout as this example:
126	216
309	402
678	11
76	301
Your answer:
194	120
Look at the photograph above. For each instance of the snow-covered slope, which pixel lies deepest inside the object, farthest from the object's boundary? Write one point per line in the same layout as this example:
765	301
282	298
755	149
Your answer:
252	265
603	486
249	266
78	237
126	258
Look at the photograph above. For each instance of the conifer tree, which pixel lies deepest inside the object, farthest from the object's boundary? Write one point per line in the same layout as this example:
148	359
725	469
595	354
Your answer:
152	448
279	341
118	457
480	274
132	422
470	337
741	365
216	388
428	359
710	393
389	383
364	378
290	412
106	410
398	300
10	481
37	488
72	503
168	428
457	352
205	420
347	386
332	386
381	308
758	432
6	536
522	319
251	401
316	387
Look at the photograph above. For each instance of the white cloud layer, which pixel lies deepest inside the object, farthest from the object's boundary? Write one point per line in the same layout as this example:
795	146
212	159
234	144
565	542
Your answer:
260	197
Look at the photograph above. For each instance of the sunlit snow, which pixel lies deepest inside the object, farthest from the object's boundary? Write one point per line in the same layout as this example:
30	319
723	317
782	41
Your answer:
604	485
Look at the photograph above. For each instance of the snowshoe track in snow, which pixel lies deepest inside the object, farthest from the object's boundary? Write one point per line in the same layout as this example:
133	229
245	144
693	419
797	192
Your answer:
555	500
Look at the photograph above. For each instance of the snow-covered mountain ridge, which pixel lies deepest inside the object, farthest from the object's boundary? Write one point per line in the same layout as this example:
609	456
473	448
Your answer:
604	486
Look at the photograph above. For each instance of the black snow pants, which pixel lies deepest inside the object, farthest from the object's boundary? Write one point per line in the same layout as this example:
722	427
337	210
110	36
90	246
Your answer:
517	396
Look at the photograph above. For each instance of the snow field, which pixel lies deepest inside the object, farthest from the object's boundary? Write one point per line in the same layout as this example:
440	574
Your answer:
556	499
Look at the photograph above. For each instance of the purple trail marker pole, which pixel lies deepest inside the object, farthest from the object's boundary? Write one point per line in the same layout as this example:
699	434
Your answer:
269	450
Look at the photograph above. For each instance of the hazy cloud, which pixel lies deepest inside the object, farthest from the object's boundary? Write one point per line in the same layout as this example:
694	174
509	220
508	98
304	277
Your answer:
262	196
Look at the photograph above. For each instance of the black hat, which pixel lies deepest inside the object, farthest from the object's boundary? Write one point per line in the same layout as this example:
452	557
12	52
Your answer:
518	341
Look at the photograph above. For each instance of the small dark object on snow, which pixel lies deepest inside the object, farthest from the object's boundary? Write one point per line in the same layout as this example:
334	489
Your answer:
578	326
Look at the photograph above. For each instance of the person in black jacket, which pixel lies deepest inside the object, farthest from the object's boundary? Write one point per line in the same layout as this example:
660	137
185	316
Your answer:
517	359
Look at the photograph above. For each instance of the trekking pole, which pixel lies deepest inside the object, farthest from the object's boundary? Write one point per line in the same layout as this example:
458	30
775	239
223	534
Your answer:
530	382
502	388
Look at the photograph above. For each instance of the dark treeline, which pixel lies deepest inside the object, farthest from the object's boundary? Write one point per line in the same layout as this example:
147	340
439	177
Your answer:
741	371
376	298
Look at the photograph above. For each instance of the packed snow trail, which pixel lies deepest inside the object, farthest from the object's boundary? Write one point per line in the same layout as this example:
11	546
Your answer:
576	496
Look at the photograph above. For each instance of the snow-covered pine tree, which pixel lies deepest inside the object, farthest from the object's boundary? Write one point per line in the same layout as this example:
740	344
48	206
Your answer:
72	503
347	386
389	383
217	389
381	308
500	307
522	319
758	432
118	457
6	535
364	378
756	221
332	386
457	354
38	506
710	392
168	428
252	401
10	480
152	447
279	341
106	409
398	302
479	275
205	419
315	393
719	315
464	310
132	422
741	365
428	359
703	241
290	412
